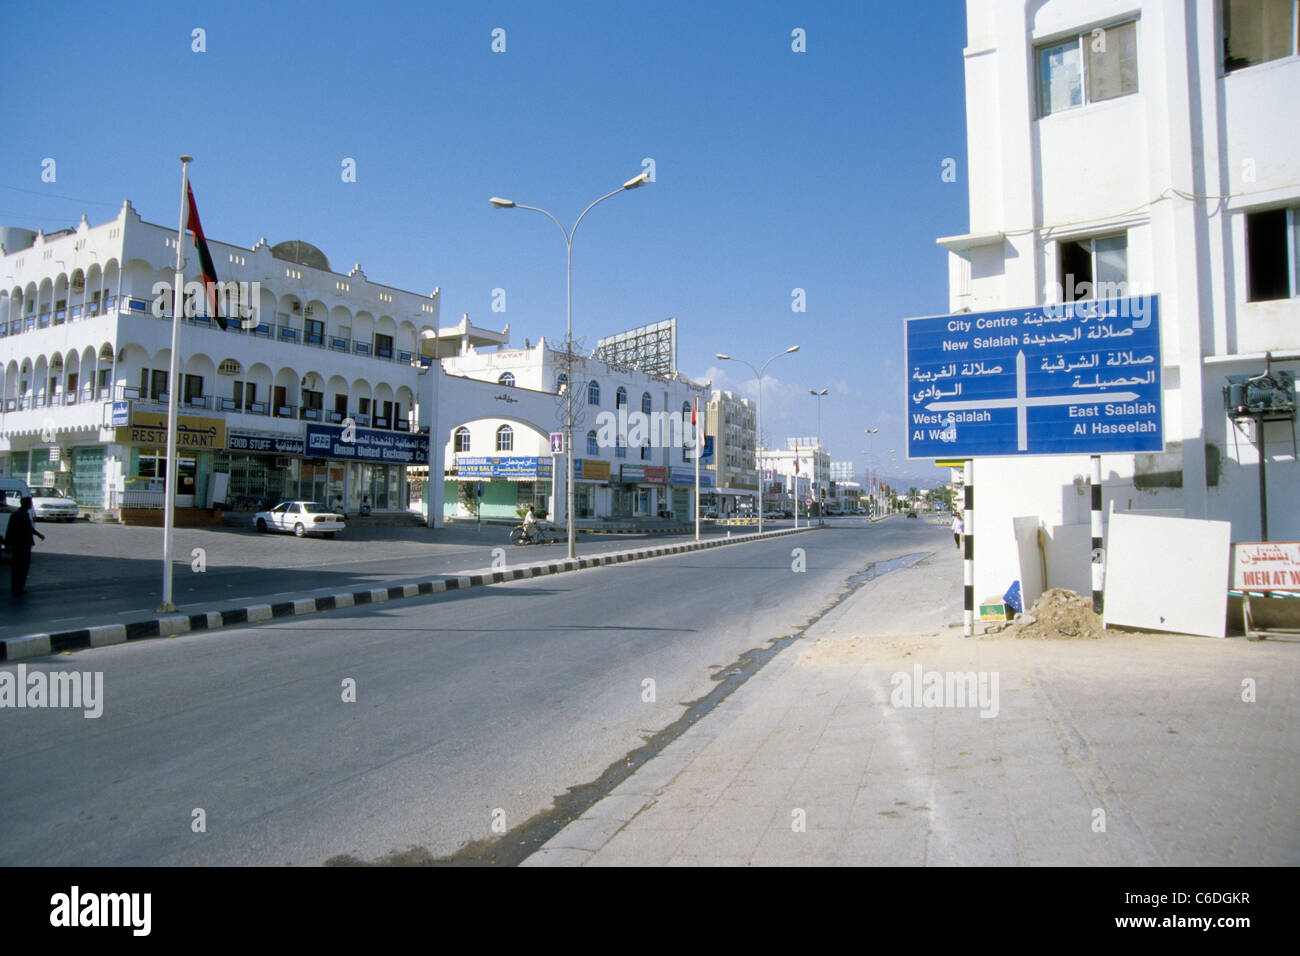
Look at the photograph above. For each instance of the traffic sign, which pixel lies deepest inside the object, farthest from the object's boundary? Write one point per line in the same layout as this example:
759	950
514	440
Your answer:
557	443
1074	378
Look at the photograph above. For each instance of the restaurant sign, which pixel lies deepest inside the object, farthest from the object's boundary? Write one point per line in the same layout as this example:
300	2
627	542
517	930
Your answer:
150	428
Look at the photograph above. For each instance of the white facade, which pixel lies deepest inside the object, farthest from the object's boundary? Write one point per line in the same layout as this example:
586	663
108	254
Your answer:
1111	141
85	333
732	424
782	480
620	471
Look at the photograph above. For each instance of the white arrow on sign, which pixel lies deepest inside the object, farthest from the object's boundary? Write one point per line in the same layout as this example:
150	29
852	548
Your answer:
1021	402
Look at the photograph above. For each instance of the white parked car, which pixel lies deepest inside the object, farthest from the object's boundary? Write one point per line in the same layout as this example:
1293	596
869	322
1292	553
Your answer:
50	504
300	517
12	492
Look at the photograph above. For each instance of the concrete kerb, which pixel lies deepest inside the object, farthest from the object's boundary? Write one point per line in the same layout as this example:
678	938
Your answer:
43	645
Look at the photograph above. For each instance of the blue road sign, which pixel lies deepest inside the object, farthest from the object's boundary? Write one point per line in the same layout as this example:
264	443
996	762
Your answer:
1074	378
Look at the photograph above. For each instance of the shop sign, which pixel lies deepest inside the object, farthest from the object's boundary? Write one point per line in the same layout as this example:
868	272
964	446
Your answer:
656	475
150	428
512	467
367	444
592	469
686	476
632	474
121	415
269	444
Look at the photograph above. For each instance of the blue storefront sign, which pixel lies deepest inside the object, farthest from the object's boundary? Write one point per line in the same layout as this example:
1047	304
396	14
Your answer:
1074	378
686	476
268	444
512	467
121	415
367	444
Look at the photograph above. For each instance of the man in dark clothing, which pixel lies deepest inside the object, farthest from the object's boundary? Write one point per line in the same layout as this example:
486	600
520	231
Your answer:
21	537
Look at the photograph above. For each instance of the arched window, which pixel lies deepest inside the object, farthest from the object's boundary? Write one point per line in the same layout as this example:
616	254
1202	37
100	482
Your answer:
645	452
462	438
507	378
645	402
593	393
687	435
593	446
561	380
620	398
505	438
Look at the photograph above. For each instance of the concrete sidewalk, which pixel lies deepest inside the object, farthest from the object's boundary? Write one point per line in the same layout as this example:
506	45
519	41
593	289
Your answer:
1129	750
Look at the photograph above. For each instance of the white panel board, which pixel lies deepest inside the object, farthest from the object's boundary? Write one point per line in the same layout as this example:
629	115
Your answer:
1068	548
1168	574
1031	559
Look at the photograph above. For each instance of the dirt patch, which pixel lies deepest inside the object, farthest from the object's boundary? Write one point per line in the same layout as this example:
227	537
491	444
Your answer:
854	651
1057	615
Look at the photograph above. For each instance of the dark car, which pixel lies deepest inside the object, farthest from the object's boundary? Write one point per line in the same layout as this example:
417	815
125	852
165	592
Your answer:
911	514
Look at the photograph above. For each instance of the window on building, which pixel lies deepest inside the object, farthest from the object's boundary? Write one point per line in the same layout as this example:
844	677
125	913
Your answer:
314	332
1095	267
193	390
462	439
157	383
593	393
593	446
620	398
1094	66
505	438
686	418
645	403
620	449
561	380
1272	254
1256	31
384	346
507	378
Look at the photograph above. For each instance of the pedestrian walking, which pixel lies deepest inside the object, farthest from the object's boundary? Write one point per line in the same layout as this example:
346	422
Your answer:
20	538
957	529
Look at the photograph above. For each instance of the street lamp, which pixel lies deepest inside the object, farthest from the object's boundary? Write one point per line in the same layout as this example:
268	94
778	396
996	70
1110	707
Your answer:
821	510
758	373
500	203
871	443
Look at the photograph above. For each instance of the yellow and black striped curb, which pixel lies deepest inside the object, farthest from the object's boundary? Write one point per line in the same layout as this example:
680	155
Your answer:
686	530
41	645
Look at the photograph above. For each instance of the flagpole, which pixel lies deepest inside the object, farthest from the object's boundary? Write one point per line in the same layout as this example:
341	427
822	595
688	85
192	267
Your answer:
796	486
169	482
699	449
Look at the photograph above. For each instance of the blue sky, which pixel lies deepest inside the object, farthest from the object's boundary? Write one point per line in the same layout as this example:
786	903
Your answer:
774	170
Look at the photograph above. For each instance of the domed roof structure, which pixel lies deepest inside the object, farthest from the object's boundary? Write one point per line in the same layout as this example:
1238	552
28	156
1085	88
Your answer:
301	253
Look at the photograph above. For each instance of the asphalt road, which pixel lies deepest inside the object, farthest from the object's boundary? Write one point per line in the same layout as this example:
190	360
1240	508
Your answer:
471	707
87	574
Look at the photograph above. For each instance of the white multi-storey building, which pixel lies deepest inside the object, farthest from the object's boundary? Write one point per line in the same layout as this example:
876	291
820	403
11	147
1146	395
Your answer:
620	470
731	422
783	482
85	351
1152	144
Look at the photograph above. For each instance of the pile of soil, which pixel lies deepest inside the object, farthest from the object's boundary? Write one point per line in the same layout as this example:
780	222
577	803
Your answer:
1058	615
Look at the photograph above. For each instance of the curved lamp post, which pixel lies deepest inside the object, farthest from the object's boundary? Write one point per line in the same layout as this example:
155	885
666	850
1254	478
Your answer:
758	373
500	203
821	505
